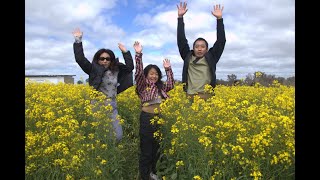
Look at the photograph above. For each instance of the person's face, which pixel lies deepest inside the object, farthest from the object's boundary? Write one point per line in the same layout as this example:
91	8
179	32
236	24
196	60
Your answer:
104	60
153	75
200	48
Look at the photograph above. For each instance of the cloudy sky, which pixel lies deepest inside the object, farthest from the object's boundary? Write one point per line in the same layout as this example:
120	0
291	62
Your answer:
260	34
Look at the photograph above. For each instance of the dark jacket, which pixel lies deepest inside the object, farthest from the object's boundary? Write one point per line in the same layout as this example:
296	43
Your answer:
96	71
212	56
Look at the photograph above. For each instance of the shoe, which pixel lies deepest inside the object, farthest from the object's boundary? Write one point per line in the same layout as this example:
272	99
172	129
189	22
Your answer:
153	176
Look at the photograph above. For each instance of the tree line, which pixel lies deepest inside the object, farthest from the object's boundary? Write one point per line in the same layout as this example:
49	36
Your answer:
250	80
257	77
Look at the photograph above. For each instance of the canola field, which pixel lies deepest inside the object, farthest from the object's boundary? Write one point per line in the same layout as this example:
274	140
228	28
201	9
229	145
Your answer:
243	132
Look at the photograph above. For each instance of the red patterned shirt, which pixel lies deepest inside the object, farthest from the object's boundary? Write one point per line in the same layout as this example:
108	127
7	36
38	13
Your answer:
147	90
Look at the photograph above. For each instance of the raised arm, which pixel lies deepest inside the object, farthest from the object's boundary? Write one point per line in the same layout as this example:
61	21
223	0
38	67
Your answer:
218	46
182	41
83	62
170	81
127	58
139	76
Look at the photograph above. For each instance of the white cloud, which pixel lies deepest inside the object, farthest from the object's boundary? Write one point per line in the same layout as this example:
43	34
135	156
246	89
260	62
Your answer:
143	19
260	34
65	11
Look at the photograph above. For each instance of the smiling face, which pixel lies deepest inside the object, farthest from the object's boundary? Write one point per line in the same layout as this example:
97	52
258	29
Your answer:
104	60
200	48
153	75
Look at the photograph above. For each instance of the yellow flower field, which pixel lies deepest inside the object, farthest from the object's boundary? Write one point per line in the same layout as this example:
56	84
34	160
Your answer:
243	132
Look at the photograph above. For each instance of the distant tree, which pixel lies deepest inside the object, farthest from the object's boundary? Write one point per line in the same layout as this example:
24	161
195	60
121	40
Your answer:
257	77
236	82
268	80
249	79
263	79
221	82
290	81
281	80
231	79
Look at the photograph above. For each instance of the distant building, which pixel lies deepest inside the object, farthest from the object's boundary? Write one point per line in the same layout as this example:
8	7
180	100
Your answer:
68	79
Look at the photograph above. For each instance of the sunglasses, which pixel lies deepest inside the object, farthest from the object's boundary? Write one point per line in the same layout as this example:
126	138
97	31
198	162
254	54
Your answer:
104	58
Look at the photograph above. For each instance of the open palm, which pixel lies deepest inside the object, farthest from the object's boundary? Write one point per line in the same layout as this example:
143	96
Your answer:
182	9
166	63
77	33
137	47
122	47
217	11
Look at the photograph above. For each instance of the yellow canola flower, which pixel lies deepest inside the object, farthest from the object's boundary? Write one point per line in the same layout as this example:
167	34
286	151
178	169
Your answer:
174	129
69	177
179	163
161	121
197	177
103	161
205	141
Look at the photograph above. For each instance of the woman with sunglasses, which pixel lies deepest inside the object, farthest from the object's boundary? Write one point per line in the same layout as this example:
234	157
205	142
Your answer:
106	74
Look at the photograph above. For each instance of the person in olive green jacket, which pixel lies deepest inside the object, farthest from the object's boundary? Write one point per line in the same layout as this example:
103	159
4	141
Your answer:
199	67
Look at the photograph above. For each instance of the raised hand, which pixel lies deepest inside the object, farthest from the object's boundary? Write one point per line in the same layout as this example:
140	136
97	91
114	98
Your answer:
122	47
182	9
217	11
77	33
166	64
137	47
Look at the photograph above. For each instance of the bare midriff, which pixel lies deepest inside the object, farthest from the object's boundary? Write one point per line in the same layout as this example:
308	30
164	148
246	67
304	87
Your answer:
151	108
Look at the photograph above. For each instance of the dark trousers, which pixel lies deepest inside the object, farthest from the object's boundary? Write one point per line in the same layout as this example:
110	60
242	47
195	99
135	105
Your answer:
149	146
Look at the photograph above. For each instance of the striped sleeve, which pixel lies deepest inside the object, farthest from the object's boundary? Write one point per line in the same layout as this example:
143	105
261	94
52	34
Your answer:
170	81
139	76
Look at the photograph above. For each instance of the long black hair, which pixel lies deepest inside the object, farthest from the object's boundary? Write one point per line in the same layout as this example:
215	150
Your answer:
159	83
146	70
113	65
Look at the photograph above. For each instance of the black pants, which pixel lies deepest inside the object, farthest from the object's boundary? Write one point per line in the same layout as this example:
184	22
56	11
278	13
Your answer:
149	146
